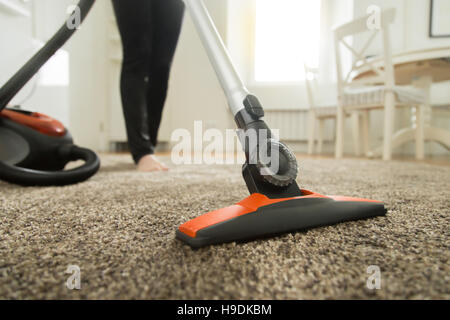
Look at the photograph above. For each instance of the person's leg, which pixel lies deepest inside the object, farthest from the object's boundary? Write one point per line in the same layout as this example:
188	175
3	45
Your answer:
167	18
133	19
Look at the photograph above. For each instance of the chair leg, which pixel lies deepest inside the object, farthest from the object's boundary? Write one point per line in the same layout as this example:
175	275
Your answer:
356	131
339	147
423	82
365	131
320	134
311	128
389	114
420	133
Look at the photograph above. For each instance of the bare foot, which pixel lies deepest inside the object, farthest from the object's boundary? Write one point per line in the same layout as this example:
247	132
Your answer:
150	163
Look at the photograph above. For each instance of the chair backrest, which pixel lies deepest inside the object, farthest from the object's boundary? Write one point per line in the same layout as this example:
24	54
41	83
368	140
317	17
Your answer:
383	73
311	75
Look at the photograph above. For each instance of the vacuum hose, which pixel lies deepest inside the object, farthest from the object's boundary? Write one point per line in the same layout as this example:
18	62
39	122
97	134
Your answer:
30	177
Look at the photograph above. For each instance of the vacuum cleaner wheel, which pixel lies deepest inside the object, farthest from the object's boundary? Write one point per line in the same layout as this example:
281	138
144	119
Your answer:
287	165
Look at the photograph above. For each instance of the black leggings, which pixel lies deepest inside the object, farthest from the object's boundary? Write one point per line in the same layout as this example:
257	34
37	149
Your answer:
149	30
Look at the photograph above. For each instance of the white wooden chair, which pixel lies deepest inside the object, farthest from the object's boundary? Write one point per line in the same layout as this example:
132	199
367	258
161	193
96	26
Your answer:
377	91
318	113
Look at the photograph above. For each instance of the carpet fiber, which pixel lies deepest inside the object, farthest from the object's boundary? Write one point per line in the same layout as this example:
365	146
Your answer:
119	229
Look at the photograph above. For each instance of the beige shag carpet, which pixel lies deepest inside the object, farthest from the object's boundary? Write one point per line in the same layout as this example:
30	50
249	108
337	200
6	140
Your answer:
119	229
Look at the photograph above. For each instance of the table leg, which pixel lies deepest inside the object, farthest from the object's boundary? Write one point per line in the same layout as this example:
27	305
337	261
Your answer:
311	131
356	133
420	133
424	83
389	113
365	131
339	147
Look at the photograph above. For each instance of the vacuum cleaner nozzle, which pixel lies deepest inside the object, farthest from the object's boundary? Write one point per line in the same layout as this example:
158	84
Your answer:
276	204
259	216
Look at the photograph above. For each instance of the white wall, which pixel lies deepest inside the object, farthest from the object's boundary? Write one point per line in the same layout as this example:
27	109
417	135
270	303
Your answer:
411	27
18	42
89	80
194	91
15	45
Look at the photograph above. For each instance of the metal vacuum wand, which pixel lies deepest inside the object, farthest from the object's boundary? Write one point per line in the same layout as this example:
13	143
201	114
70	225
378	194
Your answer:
275	178
219	57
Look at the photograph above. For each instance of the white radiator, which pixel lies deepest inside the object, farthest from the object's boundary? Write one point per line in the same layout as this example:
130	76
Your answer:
291	123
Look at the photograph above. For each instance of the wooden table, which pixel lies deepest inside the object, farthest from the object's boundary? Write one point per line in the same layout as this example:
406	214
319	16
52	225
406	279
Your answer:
420	68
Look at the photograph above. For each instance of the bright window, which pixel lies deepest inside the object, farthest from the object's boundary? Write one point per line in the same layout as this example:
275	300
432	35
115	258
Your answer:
287	36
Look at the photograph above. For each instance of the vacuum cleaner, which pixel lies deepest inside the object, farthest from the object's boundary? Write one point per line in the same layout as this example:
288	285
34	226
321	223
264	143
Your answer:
34	148
276	204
